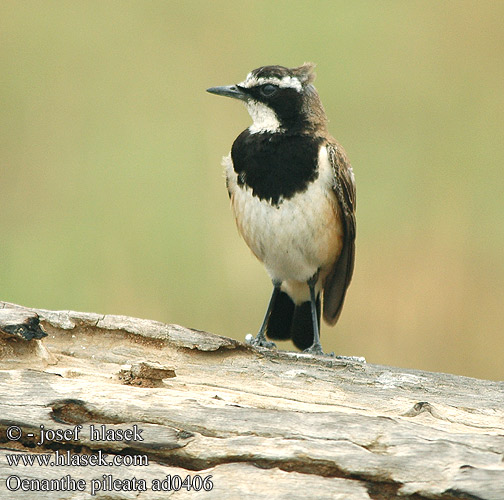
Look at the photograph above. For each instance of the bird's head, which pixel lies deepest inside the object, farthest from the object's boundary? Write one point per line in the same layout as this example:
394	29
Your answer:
279	99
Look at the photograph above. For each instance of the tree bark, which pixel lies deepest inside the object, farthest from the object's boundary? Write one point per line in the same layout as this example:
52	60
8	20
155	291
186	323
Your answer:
263	424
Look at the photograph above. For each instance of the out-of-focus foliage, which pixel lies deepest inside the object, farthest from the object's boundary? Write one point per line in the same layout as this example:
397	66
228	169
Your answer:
112	197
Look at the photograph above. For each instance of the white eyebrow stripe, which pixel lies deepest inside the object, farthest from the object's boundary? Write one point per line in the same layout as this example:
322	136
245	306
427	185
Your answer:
290	82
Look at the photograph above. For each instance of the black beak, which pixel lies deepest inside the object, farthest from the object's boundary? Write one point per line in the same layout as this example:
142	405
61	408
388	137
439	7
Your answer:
229	91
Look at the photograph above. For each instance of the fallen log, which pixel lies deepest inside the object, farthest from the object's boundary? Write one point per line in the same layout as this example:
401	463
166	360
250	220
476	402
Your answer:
166	410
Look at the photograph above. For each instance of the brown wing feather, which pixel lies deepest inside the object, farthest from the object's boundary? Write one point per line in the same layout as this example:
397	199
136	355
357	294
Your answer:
339	278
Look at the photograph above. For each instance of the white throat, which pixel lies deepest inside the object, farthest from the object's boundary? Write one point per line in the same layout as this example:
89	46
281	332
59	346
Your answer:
264	118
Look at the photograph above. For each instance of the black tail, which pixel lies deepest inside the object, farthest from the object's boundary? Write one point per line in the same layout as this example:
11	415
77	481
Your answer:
280	319
302	325
288	321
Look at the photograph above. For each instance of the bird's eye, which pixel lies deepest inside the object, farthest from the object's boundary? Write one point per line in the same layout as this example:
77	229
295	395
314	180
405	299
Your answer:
268	90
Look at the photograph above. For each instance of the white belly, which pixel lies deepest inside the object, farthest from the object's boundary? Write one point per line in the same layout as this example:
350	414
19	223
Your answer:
296	238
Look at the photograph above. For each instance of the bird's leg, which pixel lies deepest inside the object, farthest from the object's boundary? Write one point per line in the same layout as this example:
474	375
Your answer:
260	340
316	347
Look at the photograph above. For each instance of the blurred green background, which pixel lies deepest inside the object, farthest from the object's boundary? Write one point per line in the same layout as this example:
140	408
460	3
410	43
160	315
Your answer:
112	194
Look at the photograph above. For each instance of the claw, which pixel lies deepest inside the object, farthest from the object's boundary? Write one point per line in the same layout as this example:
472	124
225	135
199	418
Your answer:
259	341
315	349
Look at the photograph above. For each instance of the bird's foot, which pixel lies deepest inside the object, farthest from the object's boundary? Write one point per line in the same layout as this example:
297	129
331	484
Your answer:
259	341
316	350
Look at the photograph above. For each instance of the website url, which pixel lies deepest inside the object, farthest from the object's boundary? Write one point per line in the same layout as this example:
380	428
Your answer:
59	459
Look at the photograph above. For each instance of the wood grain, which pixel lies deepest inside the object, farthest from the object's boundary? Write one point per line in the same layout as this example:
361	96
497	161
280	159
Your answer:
264	424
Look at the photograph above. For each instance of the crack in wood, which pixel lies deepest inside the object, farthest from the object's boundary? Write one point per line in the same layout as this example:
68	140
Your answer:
300	422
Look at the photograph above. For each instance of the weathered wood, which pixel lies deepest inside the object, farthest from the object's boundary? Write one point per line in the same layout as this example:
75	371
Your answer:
21	324
263	424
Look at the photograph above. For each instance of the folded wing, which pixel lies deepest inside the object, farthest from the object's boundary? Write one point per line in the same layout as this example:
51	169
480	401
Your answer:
340	276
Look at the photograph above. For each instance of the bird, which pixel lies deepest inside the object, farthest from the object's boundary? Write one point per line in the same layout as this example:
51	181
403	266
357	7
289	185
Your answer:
292	192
